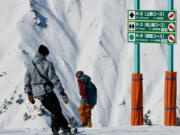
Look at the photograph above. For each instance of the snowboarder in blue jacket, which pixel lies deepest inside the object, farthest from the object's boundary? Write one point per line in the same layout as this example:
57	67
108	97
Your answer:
88	94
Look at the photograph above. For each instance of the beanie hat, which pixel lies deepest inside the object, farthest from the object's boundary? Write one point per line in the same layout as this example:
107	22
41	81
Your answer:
43	50
79	74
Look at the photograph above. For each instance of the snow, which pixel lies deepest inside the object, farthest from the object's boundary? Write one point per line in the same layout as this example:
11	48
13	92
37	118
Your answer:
124	130
88	35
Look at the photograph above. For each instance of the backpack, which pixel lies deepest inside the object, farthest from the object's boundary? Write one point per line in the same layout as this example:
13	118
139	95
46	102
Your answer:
91	91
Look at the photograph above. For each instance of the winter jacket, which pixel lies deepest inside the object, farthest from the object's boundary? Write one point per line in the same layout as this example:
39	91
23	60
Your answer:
87	90
37	85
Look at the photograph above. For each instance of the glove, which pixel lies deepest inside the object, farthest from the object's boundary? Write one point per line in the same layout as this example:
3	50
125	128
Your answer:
63	93
31	98
64	97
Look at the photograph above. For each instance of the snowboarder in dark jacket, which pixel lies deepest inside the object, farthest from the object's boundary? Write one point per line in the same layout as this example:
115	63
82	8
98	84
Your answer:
40	80
88	94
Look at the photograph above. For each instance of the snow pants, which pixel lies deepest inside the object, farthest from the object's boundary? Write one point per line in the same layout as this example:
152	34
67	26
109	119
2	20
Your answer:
85	113
51	103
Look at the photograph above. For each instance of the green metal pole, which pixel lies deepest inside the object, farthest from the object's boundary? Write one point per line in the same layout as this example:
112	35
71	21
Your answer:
137	46
170	47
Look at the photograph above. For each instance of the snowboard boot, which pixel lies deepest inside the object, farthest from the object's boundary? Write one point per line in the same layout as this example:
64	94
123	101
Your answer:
61	131
89	123
83	125
55	133
68	131
72	130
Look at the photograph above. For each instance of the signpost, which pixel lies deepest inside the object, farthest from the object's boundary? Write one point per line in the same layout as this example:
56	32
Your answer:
137	84
170	91
152	26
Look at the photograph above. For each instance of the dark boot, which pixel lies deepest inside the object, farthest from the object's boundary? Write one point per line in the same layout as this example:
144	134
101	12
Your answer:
72	130
55	132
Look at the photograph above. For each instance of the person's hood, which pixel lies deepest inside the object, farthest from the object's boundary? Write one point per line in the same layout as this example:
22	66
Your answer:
85	77
38	58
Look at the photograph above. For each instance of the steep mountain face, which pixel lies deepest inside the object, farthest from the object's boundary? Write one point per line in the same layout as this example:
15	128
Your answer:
88	35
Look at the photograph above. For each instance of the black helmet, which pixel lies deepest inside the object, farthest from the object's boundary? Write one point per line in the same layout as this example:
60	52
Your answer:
43	50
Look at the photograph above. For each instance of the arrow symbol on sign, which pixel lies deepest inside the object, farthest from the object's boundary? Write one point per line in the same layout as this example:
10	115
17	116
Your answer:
171	38
171	16
171	27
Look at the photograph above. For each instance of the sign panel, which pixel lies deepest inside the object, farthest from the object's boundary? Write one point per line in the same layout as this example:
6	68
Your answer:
148	15
152	26
161	38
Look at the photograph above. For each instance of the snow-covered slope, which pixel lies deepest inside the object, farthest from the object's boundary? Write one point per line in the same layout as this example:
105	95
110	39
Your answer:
88	35
123	130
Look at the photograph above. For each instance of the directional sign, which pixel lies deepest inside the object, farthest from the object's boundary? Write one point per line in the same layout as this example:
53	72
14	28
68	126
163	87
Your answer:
152	26
160	15
160	38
